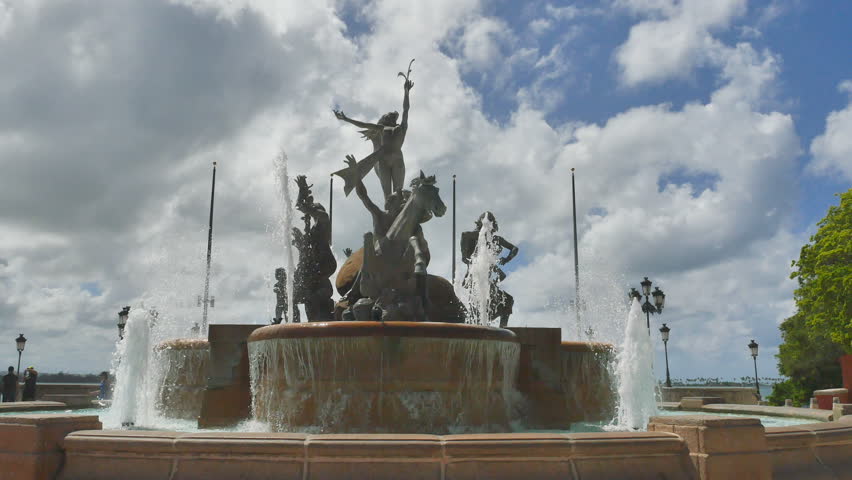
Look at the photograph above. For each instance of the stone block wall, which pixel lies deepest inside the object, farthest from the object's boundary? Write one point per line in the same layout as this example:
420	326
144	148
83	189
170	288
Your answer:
720	447
31	445
183	456
738	395
814	451
227	398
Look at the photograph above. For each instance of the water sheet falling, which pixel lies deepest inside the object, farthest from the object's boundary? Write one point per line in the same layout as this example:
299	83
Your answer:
285	225
475	289
636	382
377	384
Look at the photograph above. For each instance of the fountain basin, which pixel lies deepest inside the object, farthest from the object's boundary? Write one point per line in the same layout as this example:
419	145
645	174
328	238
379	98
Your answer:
184	365
393	377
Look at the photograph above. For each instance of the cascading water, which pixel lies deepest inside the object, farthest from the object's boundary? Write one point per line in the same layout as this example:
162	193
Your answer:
637	400
378	384
183	365
285	226
475	290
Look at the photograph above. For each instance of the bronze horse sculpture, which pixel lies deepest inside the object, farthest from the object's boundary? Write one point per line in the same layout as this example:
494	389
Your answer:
392	279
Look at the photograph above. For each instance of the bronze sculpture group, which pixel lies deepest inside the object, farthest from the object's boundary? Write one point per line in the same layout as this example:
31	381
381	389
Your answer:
387	279
500	302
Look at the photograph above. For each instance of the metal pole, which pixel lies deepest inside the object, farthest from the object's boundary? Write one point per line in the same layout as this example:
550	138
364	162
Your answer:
756	385
648	319
19	364
454	230
330	205
576	258
668	379
209	254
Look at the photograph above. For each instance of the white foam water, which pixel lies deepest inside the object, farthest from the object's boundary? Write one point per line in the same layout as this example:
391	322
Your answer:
637	400
475	289
285	226
133	381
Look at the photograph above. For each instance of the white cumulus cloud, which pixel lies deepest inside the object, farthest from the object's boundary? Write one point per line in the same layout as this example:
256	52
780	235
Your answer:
832	150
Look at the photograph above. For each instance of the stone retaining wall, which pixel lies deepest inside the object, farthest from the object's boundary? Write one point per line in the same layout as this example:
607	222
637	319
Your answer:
73	394
130	455
738	395
813	451
678	447
31	445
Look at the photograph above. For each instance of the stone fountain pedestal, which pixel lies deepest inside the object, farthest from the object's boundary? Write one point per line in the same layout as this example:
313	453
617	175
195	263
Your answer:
404	377
393	377
184	363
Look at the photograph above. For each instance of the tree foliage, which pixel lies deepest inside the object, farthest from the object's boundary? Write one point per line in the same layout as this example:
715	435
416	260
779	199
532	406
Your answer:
824	273
821	330
809	360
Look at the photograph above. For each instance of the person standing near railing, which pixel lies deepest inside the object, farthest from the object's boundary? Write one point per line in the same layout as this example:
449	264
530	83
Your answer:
30	379
10	385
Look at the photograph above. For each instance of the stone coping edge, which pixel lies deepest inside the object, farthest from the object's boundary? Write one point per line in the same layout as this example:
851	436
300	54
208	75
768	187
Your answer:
183	344
705	420
809	413
382	329
707	387
596	347
46	418
31	406
503	444
831	391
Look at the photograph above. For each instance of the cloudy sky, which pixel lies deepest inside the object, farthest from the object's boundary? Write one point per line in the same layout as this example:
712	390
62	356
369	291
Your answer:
708	139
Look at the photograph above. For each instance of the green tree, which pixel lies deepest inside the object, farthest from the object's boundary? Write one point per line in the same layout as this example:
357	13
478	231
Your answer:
821	330
824	273
809	360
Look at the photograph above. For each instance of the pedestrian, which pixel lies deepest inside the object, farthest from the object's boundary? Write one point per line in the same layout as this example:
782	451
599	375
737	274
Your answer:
105	392
10	385
30	378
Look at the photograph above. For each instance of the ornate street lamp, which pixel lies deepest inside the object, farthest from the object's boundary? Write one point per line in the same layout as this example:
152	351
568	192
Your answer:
20	343
648	307
753	347
122	321
664	331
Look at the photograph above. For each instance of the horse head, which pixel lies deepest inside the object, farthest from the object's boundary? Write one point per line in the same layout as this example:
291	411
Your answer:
425	196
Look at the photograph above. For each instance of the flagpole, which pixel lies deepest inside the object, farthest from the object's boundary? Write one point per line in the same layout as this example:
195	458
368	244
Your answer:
576	258
454	230
209	254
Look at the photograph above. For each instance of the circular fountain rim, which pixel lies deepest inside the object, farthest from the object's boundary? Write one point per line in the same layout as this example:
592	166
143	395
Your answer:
382	329
183	344
597	347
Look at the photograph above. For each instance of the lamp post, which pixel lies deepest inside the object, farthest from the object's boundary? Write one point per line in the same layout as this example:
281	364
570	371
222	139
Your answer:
122	321
753	347
20	343
647	307
664	331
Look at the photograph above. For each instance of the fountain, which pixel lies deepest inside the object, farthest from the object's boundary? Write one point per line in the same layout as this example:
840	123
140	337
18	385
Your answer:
399	353
636	382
